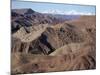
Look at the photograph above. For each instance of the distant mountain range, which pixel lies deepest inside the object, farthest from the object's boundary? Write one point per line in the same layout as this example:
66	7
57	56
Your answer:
29	17
30	11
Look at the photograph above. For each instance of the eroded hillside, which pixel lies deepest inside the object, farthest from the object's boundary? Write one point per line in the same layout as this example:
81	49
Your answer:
50	46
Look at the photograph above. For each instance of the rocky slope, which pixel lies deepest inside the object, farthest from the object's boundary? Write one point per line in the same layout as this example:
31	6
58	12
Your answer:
50	46
28	17
50	38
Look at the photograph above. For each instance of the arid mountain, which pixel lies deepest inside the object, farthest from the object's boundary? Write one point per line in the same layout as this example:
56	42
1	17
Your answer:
50	38
23	11
28	17
45	43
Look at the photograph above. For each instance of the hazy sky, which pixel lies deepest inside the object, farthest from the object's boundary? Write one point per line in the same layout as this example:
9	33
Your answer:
55	8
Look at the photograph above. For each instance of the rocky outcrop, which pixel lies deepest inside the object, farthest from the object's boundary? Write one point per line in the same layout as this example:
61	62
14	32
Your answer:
15	44
52	39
